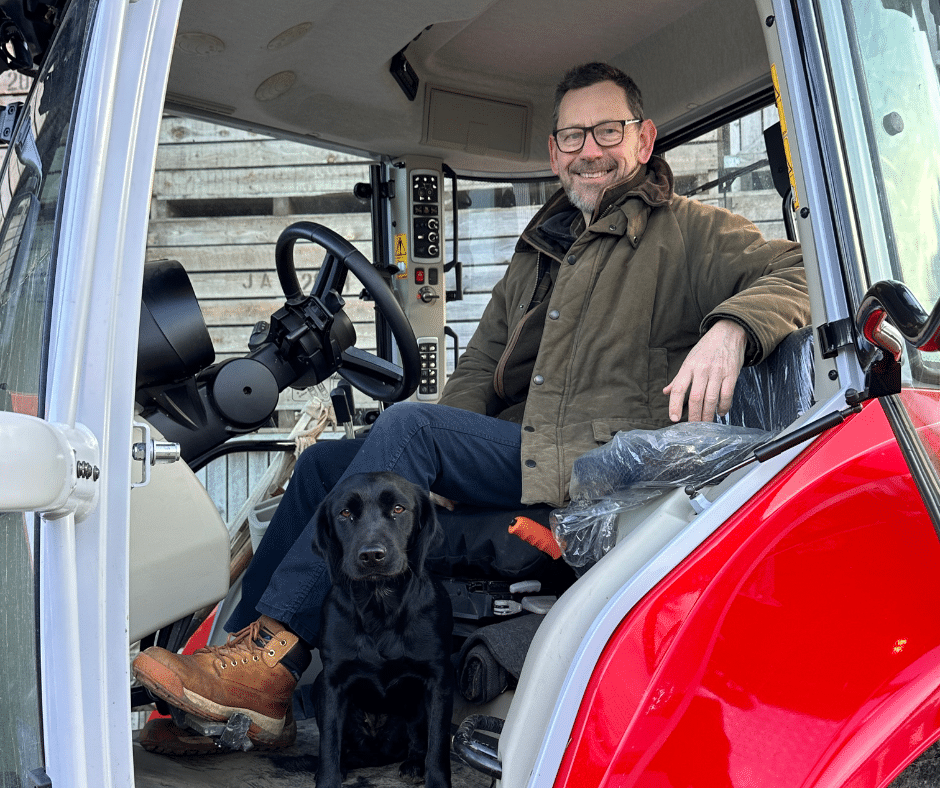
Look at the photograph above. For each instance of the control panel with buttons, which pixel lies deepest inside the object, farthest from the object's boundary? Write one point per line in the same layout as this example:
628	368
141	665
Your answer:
417	221
426	215
428	381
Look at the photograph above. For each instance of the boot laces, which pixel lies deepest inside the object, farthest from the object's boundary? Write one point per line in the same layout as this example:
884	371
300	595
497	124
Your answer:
242	646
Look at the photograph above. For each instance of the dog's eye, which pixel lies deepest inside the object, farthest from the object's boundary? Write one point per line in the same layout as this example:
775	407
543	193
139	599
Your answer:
398	509
346	514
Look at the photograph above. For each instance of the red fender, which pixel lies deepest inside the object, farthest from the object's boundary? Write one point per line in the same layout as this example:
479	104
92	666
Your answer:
798	646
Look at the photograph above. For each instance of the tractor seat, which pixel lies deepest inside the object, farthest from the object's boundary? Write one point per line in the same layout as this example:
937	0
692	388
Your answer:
773	394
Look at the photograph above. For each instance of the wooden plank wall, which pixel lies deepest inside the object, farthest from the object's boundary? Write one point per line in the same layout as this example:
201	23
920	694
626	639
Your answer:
221	198
230	480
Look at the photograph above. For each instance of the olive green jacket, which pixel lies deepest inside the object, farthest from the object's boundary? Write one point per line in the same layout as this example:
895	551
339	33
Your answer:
628	301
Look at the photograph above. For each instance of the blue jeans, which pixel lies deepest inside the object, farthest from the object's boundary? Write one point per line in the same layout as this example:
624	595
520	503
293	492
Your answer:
463	456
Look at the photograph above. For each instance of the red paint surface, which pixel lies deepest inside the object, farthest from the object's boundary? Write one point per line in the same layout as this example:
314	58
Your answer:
798	646
25	403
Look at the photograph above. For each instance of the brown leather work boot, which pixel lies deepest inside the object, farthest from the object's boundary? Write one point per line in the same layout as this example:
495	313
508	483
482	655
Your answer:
245	675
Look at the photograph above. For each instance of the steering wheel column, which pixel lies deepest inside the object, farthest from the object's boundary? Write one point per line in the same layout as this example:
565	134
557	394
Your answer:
311	337
306	341
314	331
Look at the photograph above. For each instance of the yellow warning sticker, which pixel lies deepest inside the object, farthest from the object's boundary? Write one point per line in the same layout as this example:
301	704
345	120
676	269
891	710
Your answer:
401	254
783	130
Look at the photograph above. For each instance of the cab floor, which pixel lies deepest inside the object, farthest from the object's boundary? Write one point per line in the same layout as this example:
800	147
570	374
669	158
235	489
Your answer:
294	766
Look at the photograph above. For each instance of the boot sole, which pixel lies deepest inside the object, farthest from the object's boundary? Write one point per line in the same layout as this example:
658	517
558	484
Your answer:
165	738
166	685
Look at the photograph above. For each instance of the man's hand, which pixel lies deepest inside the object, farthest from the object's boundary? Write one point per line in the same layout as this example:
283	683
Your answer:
709	373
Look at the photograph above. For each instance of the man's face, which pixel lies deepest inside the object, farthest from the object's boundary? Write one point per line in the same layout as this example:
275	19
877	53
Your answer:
586	174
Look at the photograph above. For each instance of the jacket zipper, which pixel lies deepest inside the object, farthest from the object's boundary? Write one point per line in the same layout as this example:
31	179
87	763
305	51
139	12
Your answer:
540	271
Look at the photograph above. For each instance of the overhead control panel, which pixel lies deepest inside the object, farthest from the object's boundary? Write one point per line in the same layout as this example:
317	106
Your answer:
417	220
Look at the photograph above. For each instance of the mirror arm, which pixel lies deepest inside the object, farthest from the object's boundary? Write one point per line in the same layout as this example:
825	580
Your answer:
894	300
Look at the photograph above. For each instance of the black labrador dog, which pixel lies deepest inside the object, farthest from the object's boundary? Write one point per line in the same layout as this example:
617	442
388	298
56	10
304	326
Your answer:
386	689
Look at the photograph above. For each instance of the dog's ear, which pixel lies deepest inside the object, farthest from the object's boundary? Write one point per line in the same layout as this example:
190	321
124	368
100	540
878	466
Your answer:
325	540
426	534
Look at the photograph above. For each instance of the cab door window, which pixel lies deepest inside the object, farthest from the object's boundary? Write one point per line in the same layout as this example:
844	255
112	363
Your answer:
884	73
32	182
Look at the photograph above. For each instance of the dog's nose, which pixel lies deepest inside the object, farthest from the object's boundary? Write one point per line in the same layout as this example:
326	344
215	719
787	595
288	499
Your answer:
371	555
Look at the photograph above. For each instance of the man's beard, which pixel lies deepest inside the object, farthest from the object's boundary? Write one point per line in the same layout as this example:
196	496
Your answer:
581	202
586	200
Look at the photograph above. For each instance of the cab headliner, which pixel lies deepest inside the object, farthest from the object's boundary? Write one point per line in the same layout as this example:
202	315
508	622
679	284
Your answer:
486	69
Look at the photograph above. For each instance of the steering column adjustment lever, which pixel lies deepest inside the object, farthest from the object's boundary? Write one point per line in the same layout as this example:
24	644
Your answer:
343	408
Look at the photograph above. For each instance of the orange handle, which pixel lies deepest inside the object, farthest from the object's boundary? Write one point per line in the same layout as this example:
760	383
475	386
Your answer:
536	535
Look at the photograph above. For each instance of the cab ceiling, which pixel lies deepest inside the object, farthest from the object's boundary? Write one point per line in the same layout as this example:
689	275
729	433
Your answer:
320	70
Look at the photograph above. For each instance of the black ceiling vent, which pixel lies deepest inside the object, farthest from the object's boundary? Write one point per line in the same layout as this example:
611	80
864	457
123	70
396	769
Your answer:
405	75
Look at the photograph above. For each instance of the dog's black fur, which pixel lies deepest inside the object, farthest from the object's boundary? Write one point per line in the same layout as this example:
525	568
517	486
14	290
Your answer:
386	689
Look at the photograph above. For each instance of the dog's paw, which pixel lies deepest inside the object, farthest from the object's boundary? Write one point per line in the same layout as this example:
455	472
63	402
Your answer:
324	780
412	771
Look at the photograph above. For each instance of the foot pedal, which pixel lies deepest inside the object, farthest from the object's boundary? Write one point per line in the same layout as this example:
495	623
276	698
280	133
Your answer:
235	735
231	735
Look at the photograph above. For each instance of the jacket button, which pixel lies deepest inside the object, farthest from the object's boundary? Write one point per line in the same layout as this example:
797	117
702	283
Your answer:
530	463
538	380
572	259
613	227
554	314
529	428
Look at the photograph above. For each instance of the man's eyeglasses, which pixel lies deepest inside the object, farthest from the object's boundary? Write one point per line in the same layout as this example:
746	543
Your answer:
606	134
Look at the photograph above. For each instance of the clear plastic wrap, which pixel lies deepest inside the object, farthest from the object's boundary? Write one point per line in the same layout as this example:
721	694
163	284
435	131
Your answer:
641	464
636	466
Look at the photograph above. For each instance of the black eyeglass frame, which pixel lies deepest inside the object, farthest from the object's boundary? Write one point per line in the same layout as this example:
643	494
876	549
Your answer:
592	129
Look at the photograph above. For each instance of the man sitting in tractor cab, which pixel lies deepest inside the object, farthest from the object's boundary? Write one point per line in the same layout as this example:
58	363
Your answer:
624	306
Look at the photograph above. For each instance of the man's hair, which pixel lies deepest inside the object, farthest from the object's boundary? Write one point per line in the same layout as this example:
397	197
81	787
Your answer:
588	74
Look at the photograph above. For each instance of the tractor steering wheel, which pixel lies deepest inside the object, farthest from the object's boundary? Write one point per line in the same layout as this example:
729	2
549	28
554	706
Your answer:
376	377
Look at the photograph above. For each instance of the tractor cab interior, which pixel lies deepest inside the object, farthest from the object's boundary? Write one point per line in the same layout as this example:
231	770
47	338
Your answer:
494	577
447	103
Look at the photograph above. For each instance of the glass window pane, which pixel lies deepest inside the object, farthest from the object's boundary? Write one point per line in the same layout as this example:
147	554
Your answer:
729	167
492	216
31	187
222	196
884	68
20	731
885	59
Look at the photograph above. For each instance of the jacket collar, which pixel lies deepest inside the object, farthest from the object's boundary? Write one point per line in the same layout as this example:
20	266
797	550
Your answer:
623	206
